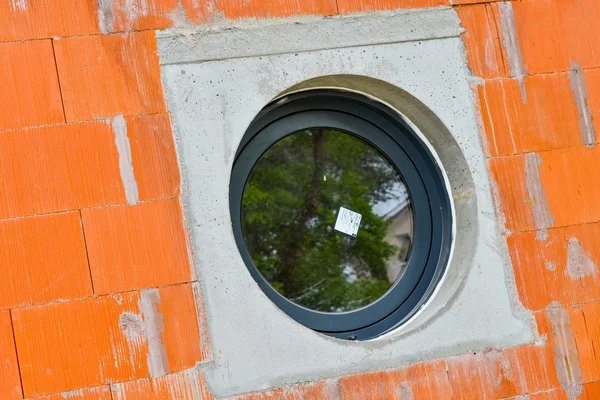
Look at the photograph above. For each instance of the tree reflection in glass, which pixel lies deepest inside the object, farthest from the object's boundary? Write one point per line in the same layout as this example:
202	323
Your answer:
289	210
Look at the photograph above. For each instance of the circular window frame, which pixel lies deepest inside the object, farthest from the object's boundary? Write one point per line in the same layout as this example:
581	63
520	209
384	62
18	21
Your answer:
387	131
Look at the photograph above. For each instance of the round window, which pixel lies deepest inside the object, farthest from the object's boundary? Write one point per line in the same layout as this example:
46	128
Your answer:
340	212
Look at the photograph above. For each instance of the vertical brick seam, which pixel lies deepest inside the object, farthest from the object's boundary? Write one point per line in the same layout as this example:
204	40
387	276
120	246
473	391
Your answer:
12	327
62	101
87	254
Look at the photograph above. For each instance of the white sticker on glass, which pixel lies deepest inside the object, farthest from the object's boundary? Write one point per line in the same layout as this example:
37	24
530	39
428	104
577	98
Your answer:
347	222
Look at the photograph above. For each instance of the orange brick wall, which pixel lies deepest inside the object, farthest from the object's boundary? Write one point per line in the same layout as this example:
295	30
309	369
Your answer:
98	298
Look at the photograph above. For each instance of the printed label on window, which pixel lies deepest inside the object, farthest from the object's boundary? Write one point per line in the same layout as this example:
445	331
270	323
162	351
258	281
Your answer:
347	222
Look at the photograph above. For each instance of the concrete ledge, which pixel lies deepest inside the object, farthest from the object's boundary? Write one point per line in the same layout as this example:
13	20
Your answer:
294	35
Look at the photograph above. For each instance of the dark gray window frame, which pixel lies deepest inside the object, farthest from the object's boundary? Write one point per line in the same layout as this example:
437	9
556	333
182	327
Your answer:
386	130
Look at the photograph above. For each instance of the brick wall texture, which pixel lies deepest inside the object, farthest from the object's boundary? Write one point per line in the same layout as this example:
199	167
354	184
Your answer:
98	298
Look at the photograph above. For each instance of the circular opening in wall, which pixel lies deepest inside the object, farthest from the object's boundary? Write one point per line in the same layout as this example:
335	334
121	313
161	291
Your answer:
341	212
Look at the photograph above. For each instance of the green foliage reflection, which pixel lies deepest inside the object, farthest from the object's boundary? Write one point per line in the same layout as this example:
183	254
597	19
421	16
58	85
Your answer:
290	206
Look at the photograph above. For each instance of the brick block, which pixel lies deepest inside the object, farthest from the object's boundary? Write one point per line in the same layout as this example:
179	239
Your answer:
572	26
106	339
97	393
235	9
584	322
186	344
187	385
103	76
22	20
419	381
30	92
43	259
561	268
482	41
10	381
135	247
539	115
591	391
153	156
494	374
59	168
512	197
353	6
552	188
324	390
573	333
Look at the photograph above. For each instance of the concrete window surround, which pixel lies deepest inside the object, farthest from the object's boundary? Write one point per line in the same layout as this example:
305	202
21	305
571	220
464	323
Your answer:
218	78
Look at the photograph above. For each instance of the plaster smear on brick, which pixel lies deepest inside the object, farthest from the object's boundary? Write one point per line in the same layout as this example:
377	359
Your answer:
71	394
512	47
19	5
134	9
119	127
132	327
542	217
566	356
186	385
405	391
581	98
579	264
106	18
153	329
82	392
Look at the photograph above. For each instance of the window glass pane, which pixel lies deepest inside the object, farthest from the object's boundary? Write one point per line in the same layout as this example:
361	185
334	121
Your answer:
327	220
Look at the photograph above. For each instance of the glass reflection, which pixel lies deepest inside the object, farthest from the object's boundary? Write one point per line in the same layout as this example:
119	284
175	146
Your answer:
289	210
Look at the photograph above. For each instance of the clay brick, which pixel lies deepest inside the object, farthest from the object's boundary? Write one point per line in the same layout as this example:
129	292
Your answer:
584	322
103	76
10	382
494	375
98	393
43	259
105	339
561	268
127	15
178	303
21	20
469	378
235	9
481	40
572	26
154	157
591	391
420	381
352	6
59	168
185	386
529	368
512	197
575	336
30	92
317	391
135	247
567	178
541	115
